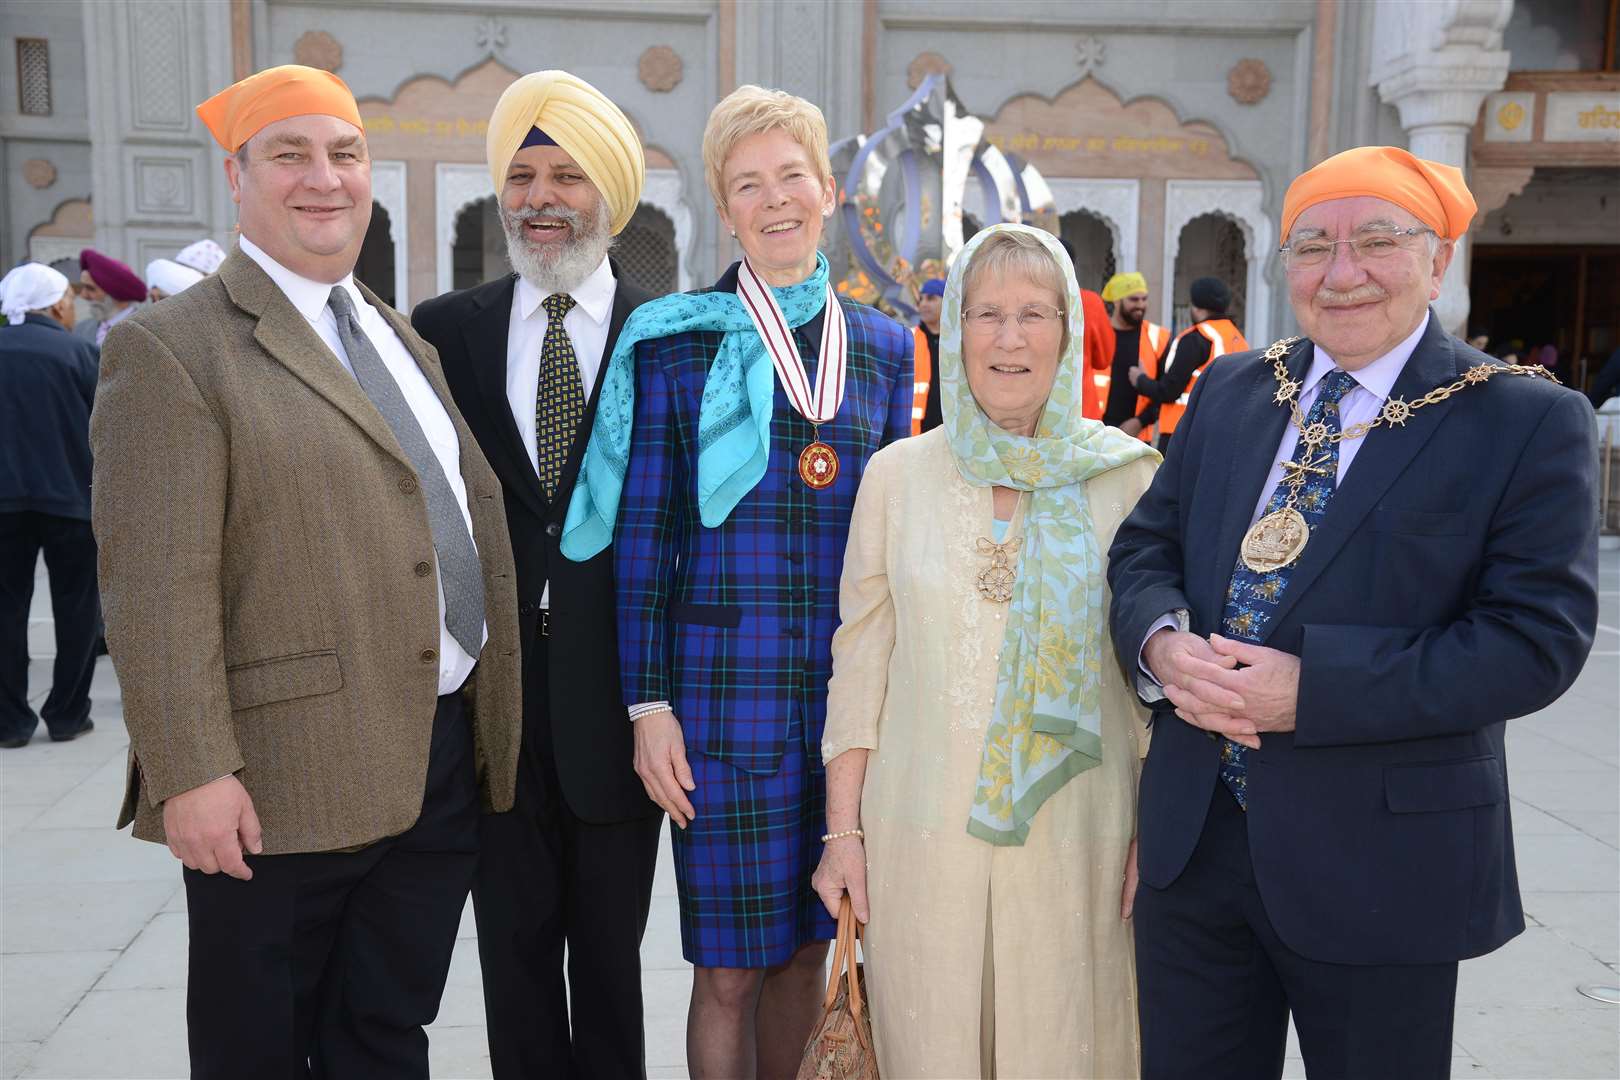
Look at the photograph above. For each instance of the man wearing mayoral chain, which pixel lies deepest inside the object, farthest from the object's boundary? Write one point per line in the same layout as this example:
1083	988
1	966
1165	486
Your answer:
733	428
572	863
309	601
1368	549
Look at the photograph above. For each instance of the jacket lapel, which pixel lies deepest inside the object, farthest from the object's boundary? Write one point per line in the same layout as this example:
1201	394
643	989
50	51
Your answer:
484	334
1387	453
1253	448
287	336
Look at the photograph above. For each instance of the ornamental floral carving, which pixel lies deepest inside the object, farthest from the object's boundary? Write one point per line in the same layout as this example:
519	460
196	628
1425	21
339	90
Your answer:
1249	81
318	49
660	69
1089	54
39	173
926	64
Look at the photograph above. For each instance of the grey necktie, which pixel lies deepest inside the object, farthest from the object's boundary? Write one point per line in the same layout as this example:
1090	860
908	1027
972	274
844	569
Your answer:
459	572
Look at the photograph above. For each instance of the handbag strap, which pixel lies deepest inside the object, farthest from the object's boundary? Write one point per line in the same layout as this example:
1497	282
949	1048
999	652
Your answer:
843	946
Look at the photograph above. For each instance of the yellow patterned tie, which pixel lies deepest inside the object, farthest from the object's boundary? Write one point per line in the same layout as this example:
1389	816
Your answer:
560	404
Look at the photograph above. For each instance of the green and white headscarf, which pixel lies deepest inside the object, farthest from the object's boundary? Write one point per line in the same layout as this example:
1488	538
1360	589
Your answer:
1047	725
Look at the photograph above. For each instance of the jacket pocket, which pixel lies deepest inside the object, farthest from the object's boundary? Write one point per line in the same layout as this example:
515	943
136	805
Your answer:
725	616
1448	785
284	678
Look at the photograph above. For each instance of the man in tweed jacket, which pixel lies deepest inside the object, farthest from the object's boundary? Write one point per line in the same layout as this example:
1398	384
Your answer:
306	733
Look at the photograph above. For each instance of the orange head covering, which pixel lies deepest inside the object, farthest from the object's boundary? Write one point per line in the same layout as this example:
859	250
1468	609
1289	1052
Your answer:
1435	194
242	110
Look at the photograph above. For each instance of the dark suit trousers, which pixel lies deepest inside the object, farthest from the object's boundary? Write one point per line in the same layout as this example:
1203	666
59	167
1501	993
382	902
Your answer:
70	560
1216	985
328	965
546	880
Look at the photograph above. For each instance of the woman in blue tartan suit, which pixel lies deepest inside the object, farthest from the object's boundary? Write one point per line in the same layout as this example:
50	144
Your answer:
728	559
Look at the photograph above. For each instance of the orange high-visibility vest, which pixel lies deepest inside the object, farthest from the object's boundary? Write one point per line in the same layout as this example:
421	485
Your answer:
1096	353
923	374
1224	337
1149	343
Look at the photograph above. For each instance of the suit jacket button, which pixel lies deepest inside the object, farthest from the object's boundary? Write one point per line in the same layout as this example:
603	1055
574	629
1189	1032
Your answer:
407	485
423	569
429	655
553	530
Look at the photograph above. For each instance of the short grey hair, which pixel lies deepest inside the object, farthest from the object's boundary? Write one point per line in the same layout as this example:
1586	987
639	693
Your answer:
1009	254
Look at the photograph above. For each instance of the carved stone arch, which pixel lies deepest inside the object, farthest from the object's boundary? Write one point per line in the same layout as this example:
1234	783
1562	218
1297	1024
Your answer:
71	229
1242	202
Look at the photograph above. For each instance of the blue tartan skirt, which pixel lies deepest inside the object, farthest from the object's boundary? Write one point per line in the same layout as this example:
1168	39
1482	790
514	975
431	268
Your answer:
743	865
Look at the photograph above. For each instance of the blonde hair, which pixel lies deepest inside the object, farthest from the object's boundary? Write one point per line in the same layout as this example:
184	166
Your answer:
1018	254
753	110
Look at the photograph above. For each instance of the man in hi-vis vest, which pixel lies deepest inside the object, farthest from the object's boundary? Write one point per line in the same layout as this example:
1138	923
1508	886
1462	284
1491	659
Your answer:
1211	334
1137	343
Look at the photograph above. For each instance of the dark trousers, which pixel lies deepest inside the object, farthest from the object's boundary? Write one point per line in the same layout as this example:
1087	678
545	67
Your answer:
546	880
329	964
70	560
1216	985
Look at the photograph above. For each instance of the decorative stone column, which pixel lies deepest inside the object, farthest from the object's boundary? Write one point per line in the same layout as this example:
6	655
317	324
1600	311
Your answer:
1436	63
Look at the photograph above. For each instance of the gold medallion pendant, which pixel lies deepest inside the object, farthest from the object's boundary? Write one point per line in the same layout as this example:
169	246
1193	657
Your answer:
818	465
996	580
1275	541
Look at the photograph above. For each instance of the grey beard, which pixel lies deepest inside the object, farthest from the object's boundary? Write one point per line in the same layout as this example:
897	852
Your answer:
568	268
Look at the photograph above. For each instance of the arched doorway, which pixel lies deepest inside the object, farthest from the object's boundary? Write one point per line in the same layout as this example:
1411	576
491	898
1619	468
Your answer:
478	250
375	267
1211	245
645	251
1095	260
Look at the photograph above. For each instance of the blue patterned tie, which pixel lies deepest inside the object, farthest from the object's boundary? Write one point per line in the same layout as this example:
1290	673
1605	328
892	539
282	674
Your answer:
560	404
1252	597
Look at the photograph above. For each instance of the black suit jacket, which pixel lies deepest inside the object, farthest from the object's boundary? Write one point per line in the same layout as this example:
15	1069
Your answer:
1451	586
592	740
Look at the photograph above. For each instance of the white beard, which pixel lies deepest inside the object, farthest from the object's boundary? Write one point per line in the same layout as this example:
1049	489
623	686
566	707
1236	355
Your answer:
567	268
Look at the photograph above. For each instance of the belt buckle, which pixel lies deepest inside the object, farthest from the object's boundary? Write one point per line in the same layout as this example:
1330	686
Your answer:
545	622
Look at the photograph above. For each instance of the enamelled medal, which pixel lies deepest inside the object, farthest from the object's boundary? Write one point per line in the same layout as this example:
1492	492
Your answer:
1278	538
818	462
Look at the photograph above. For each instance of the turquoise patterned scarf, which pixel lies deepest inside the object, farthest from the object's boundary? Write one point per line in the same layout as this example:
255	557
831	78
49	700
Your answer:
734	421
1047	723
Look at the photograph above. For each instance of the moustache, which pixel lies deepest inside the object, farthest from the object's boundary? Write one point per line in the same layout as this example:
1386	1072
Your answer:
1361	294
565	214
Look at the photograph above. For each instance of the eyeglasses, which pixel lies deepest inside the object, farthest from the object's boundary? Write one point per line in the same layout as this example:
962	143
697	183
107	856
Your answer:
1369	247
1032	318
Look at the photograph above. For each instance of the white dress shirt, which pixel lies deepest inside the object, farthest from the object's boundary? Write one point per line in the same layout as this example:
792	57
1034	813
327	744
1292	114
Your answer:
310	298
1363	402
587	326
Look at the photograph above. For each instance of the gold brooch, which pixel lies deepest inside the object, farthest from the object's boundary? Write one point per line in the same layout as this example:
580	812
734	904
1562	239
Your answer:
996	580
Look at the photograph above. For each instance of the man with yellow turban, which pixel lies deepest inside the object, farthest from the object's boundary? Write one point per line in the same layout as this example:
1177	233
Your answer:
307	582
570	866
1138	342
1369	548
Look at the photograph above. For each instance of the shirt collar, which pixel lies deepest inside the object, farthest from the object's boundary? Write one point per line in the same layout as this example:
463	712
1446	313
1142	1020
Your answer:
120	315
593	296
1377	378
309	297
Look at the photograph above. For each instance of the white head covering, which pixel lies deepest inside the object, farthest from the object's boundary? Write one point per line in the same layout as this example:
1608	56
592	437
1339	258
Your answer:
30	287
171	277
204	257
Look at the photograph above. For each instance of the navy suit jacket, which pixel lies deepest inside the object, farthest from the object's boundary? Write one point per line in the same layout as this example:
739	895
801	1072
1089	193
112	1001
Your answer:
1451	586
47	385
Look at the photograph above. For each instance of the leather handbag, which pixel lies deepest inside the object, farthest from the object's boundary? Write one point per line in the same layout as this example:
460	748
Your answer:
840	1047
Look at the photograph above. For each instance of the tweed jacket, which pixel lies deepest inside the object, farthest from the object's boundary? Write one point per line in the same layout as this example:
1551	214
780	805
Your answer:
266	572
733	625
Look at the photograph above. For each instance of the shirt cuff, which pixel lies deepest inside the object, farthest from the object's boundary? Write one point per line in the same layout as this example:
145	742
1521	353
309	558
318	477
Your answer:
1148	687
647	708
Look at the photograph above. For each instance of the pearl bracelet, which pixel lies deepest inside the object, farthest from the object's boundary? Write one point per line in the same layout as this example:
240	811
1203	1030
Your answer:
840	835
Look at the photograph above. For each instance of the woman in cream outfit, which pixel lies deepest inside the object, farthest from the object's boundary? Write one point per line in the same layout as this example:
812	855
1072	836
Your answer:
978	730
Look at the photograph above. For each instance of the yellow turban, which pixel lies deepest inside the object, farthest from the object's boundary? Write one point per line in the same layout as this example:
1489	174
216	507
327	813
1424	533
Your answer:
1433	193
1123	285
578	118
242	110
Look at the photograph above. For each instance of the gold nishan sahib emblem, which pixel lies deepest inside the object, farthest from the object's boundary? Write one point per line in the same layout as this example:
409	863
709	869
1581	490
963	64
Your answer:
1279	538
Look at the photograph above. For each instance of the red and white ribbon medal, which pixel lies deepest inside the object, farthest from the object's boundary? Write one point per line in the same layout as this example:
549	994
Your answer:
818	462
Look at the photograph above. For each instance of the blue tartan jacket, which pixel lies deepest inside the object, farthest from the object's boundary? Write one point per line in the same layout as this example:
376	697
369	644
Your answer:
733	626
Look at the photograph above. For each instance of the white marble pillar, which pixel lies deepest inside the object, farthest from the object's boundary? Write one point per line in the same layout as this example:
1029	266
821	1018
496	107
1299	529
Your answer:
1436	63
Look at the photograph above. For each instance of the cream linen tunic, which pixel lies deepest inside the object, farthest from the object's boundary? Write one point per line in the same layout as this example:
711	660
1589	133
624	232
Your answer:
981	960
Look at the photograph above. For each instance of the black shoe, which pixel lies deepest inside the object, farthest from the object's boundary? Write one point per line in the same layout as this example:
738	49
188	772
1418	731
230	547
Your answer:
14	742
69	736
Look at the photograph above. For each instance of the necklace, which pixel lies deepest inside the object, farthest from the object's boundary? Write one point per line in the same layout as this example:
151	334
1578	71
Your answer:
1278	538
996	580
